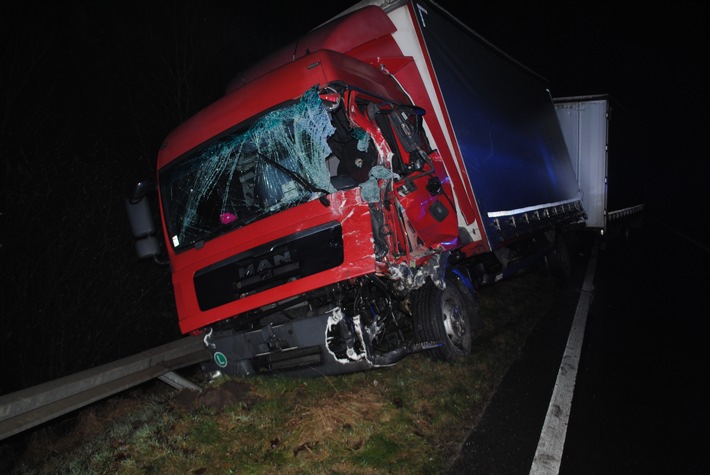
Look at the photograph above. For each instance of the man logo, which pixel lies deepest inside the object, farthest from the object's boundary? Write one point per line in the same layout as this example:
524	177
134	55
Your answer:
265	264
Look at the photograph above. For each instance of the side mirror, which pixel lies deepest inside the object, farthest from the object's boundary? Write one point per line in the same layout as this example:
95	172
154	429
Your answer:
140	217
139	191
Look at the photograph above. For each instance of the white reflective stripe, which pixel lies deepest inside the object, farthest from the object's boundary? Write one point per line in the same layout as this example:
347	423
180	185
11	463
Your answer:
498	214
548	455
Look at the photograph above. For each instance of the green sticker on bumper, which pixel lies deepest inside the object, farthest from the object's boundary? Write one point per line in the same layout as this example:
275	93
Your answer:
220	359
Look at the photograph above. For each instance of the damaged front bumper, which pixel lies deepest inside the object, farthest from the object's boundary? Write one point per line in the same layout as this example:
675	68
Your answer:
327	344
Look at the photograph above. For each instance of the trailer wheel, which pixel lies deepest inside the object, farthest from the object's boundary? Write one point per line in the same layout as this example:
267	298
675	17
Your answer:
448	317
559	263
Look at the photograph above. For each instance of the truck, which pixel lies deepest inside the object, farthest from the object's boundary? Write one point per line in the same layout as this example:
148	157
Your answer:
607	145
342	204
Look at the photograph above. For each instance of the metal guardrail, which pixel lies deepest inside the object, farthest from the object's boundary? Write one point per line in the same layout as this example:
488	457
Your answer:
30	407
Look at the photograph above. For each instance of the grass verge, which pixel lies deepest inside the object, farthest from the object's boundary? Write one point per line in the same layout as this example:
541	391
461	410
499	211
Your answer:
410	418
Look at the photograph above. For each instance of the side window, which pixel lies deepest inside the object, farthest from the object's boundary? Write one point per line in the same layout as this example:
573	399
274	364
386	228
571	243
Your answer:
353	148
402	127
407	125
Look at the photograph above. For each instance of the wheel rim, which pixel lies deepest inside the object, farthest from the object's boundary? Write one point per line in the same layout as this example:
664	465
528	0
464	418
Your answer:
454	322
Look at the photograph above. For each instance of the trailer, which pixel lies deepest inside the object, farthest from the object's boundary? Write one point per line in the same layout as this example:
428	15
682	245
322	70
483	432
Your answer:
339	207
607	146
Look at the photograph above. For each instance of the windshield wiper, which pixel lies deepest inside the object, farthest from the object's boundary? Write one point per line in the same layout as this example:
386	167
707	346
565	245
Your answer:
305	183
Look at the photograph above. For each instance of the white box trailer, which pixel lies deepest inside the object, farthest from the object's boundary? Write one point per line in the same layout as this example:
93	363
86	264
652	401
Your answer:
607	146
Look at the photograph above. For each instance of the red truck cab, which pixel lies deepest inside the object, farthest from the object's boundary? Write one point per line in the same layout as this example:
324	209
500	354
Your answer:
320	219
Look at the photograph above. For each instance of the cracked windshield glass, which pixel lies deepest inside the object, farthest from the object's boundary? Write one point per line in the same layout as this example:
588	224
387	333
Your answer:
249	173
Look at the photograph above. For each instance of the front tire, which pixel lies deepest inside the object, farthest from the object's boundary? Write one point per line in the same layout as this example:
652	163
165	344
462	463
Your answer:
447	317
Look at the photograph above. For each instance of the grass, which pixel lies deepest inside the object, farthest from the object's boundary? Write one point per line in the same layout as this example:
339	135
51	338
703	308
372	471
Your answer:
410	418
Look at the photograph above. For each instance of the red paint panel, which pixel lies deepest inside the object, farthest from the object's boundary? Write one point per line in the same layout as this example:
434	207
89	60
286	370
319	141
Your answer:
286	83
346	207
422	208
410	79
341	35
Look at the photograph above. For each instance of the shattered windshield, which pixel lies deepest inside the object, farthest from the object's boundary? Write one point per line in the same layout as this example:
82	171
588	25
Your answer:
249	173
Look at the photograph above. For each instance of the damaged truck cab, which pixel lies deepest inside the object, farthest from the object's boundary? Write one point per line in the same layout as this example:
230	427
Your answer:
325	217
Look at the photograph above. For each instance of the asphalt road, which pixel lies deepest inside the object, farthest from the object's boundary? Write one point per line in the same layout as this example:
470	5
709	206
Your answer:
642	386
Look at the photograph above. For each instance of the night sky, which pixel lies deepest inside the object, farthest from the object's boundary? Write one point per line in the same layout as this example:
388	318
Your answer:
107	55
89	90
649	59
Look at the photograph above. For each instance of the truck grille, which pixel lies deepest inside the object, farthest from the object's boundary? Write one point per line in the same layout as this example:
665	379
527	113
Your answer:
270	265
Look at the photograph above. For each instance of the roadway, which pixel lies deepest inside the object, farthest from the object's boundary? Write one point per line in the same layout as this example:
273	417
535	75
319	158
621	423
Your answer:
641	388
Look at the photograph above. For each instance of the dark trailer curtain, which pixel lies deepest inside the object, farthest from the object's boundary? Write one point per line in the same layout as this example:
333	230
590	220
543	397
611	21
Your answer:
503	118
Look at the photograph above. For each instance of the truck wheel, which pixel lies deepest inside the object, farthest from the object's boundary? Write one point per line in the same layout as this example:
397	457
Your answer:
559	263
446	316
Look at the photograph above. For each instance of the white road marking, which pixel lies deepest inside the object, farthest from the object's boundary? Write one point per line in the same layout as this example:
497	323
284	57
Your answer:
548	455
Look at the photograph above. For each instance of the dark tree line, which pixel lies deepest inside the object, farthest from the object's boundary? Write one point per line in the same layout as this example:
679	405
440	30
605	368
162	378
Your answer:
87	93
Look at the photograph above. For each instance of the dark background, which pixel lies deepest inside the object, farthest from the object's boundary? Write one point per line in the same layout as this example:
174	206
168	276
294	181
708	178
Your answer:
89	90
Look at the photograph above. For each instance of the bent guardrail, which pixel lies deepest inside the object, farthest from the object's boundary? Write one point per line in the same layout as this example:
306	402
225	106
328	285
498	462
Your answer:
35	405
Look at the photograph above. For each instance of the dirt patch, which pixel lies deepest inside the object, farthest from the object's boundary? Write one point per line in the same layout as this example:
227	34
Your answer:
215	398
